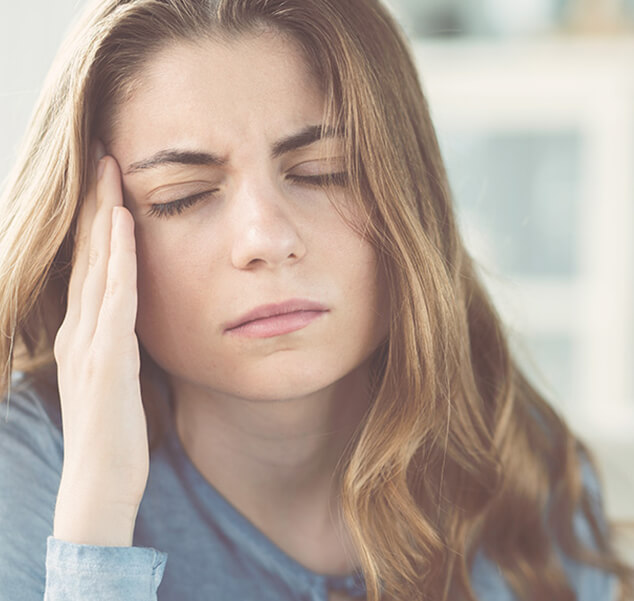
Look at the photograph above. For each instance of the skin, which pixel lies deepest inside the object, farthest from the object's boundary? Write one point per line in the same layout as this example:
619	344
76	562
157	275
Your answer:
263	419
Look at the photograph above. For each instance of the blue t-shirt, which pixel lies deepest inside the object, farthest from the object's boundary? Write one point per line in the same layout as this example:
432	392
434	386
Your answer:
190	543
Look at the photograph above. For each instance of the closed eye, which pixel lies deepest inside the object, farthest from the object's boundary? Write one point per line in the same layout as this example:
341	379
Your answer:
337	179
167	209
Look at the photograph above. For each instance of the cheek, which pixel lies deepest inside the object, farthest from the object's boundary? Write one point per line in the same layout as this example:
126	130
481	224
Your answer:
363	280
374	283
171	279
169	272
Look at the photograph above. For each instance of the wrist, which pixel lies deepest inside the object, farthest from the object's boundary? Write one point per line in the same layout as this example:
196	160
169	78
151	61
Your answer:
90	521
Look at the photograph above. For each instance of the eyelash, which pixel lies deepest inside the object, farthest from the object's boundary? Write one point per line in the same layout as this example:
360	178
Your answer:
167	209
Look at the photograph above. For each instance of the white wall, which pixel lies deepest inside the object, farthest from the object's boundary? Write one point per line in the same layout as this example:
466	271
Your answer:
30	33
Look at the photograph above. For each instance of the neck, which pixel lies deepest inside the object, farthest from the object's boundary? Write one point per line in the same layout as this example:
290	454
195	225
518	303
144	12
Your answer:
276	460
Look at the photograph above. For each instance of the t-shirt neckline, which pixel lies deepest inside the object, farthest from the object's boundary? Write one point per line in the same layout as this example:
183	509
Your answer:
352	583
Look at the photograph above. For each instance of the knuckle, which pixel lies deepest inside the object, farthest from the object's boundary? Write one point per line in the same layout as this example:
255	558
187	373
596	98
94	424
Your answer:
112	288
93	257
64	346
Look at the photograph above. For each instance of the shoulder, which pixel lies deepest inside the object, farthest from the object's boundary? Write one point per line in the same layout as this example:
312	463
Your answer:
30	414
588	582
31	455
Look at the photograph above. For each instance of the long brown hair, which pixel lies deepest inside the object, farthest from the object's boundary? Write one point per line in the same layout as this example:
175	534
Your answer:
458	452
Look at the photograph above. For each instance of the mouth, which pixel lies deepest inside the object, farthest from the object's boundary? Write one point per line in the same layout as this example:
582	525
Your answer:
276	319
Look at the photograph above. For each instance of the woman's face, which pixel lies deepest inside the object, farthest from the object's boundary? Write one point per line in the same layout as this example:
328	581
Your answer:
234	123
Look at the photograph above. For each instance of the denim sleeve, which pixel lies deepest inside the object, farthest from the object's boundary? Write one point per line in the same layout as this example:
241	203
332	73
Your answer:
33	564
588	583
76	572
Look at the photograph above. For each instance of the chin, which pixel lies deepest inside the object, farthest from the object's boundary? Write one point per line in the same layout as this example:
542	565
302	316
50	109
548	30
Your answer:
286	379
279	388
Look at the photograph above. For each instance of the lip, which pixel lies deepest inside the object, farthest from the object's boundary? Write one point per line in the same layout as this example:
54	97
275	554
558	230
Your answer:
294	305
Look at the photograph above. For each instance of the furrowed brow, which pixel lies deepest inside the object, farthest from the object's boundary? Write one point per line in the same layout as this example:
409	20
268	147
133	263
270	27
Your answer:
307	136
176	157
171	156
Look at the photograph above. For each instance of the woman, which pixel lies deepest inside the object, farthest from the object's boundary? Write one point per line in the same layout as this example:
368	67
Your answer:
232	278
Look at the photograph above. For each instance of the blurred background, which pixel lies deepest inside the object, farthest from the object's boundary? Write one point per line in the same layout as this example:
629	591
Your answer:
533	102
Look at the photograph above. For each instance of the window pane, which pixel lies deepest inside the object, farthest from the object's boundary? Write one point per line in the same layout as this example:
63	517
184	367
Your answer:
516	194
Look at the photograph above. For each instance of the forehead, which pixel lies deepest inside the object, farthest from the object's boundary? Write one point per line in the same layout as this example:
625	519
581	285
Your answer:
253	80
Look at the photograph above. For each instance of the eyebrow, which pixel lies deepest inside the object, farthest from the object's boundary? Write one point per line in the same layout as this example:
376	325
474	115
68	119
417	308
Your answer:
176	157
305	137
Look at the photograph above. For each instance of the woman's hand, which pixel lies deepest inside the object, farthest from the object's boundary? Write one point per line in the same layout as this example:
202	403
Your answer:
106	455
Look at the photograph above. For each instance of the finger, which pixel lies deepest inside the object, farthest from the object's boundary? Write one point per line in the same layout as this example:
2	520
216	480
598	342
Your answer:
80	251
108	196
117	317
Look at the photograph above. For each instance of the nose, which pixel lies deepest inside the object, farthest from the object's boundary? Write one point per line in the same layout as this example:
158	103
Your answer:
265	231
